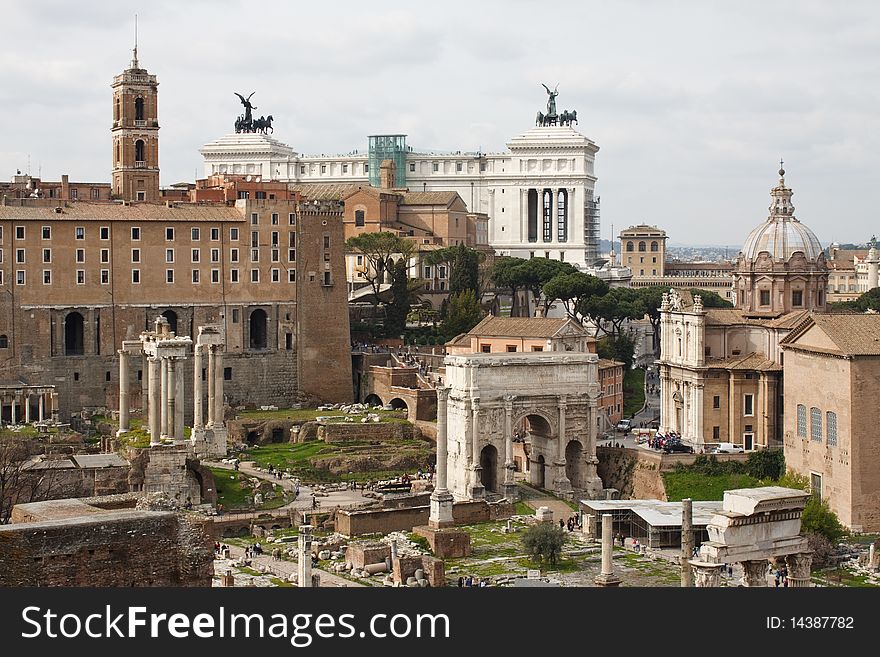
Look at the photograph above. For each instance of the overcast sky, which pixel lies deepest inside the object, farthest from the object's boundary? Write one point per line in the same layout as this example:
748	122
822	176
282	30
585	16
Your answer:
691	103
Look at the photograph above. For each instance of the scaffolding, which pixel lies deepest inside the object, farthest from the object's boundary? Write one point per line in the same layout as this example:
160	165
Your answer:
592	230
387	147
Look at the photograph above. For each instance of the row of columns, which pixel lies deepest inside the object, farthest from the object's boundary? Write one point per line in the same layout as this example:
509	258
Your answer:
23	398
554	215
755	571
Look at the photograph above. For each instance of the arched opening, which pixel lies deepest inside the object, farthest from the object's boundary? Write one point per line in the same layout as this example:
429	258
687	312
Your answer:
642	246
398	404
171	316
138	109
489	465
538	471
139	150
629	246
373	400
74	329
654	246
538	436
573	463
258	332
253	437
277	435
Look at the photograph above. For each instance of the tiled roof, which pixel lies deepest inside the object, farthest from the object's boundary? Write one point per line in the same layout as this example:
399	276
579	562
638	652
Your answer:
732	316
751	362
519	327
854	334
88	211
326	191
428	198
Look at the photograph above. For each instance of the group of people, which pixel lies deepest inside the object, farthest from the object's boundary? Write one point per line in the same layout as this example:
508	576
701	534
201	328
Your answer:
780	576
573	522
470	580
660	440
253	550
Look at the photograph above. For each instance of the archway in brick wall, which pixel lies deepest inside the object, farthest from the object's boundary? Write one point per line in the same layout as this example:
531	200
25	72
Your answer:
574	461
489	468
373	400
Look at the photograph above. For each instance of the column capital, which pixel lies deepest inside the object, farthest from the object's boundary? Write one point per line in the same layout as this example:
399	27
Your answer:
475	404
562	401
443	393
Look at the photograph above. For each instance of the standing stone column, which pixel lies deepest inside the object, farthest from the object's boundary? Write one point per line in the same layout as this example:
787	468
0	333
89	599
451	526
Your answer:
687	542
154	374
477	489
163	397
27	408
171	398
755	572
41	412
123	392
197	388
218	386
212	384
707	575
179	391
607	578
799	569
441	500
510	490
562	483
15	408
304	563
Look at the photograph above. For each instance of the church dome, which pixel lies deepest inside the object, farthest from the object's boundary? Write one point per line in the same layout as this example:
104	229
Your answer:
782	235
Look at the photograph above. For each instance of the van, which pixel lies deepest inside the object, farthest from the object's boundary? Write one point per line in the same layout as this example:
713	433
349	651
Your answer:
728	448
624	425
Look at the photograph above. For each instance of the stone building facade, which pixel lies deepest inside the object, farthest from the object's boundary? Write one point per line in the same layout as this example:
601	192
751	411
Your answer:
832	381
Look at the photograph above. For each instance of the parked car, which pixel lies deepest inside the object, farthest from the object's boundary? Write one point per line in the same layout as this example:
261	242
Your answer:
728	448
677	447
624	425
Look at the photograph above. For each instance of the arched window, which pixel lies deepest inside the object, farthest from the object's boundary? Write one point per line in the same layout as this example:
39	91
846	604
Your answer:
801	420
654	246
815	424
116	109
642	246
629	246
547	203
118	152
258	329
139	150
831	428
139	109
74	326
171	316
4	342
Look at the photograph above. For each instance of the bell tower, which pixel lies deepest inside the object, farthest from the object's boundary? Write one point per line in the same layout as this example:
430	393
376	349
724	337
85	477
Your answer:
135	134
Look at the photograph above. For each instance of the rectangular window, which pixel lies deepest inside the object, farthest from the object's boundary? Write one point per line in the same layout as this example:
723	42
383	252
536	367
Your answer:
435	166
79	233
291	239
255	239
195	255
255	275
19	277
359	217
260	196
47	232
716	433
302	170
276	275
215	234
169	255
47	277
831	428
816	485
276	255
748	405
801	420
105	277
274	218
765	297
233	255
19	232
797	298
194	234
195	275
105	255
291	275
227	374
135	276
255	255
169	234
169	275
215	275
235	315
135	255
323	168
366	168
291	219
716	401
80	277
815	424
80	255
215	255
412	167
233	234
274	238
19	256
105	232
233	275
511	348
344	168
135	233
441	271
291	255
255	218
458	166
537	348
326	256
327	279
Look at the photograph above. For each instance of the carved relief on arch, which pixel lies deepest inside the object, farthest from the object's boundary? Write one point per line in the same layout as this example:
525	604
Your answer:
763	262
798	261
521	420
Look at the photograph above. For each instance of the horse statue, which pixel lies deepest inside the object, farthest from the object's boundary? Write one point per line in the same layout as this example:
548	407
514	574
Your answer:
263	124
567	118
539	120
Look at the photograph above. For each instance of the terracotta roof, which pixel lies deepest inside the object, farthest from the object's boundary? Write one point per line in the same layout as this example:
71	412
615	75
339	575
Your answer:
88	211
326	191
520	327
750	362
853	334
460	340
428	198
732	316
607	362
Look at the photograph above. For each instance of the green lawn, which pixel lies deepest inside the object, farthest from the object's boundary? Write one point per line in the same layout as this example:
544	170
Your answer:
308	414
633	392
697	486
233	491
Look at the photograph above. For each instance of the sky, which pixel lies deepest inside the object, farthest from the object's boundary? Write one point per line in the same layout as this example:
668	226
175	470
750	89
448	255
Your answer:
692	104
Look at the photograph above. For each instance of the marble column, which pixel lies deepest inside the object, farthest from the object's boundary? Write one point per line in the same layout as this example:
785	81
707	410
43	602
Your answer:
15	408
755	572
687	542
27	409
163	397
179	391
477	489
171	398
562	484
607	578
441	500
218	386
212	384
799	569
706	574
510	489
124	404
304	562
41	412
197	388
154	374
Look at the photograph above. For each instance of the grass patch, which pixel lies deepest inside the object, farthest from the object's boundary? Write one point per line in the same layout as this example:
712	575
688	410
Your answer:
633	392
277	581
842	577
523	509
234	492
697	486
311	414
249	571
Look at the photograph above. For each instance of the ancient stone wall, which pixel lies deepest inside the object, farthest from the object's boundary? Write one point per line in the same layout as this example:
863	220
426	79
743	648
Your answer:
385	521
382	431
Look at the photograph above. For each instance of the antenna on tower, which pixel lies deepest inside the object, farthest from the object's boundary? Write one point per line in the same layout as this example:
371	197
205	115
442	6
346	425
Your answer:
134	61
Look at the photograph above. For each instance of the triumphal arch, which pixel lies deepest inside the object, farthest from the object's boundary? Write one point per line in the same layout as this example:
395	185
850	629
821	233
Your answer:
546	399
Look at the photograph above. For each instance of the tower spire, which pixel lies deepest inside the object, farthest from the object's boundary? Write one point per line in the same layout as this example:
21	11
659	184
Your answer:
134	59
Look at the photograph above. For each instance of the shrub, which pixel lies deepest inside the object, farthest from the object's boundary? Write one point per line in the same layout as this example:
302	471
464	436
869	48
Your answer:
543	542
766	464
818	518
823	551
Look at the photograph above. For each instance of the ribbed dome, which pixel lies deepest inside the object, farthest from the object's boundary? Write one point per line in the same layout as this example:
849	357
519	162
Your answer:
781	235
